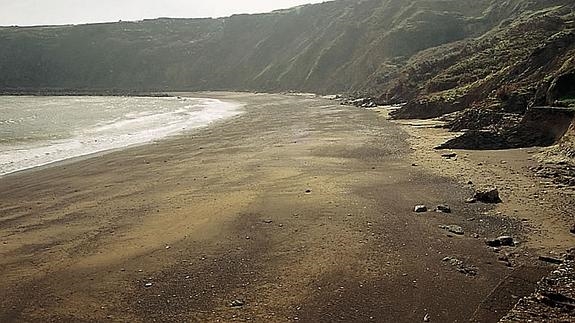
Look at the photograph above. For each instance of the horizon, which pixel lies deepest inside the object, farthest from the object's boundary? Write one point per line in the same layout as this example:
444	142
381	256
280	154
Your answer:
30	13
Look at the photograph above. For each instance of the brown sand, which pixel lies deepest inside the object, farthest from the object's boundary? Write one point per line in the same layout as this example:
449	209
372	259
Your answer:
223	214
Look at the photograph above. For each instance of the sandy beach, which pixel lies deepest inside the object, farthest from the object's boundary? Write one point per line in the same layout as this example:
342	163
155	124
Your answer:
299	209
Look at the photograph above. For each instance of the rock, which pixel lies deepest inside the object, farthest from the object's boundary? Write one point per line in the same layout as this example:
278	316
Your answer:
268	221
443	209
471	200
420	208
308	191
453	229
551	260
426	318
449	155
489	195
148	285
572	230
237	303
506	241
501	241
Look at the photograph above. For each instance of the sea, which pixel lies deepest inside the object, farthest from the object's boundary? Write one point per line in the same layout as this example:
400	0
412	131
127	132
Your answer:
36	130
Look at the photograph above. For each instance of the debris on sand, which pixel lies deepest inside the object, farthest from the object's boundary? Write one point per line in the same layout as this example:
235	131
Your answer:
453	229
461	267
449	155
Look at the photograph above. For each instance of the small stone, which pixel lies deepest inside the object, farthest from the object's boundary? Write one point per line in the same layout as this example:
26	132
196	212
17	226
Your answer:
471	200
551	260
426	318
506	241
443	209
420	208
489	195
453	229
501	241
237	303
148	285
572	230
449	155
167	247
268	221
308	191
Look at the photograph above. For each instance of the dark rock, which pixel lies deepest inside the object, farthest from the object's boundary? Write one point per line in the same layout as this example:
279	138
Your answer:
501	241
506	241
308	191
237	303
420	208
572	230
490	195
551	260
449	155
443	209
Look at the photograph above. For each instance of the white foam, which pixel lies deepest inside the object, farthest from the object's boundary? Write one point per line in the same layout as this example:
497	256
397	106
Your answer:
134	128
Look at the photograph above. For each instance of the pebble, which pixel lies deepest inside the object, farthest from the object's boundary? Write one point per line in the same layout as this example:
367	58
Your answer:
237	303
453	229
443	209
149	285
420	208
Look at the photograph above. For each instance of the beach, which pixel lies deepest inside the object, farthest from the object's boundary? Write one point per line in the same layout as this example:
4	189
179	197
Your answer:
298	209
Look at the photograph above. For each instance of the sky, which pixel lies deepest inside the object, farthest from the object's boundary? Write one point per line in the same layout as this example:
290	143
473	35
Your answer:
58	12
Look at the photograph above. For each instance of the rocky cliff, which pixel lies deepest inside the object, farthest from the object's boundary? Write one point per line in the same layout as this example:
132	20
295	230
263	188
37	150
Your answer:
486	63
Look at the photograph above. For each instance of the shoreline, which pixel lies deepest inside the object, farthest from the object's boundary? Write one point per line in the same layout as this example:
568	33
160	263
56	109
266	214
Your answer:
98	153
299	207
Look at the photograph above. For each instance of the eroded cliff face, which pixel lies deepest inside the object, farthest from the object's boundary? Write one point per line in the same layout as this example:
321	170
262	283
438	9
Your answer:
360	46
483	62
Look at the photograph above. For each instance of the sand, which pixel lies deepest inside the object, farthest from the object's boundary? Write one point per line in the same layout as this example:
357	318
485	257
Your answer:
300	208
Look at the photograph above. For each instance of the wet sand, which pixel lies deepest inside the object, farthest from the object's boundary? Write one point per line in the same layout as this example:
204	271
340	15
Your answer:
300	208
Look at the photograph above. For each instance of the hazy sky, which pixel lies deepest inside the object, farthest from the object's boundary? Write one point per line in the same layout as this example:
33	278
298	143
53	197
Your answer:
40	12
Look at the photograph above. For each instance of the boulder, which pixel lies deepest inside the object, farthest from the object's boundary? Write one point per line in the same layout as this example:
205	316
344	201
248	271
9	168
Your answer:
489	195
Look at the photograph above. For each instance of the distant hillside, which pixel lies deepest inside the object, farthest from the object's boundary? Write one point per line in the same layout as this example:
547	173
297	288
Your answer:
347	45
488	60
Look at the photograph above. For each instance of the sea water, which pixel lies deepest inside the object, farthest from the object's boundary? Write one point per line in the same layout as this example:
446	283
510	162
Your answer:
36	131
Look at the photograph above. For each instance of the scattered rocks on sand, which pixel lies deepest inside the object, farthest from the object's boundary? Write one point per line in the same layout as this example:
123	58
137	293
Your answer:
488	195
443	209
237	303
461	267
453	229
420	208
553	301
501	241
